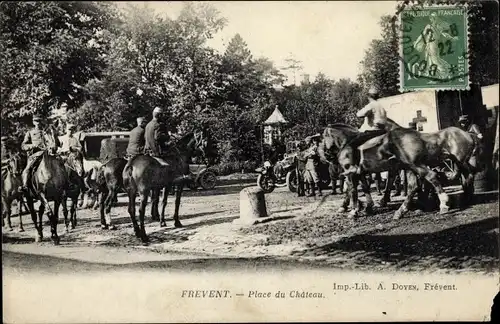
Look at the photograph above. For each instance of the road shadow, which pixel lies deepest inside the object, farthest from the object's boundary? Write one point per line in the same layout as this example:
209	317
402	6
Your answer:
216	191
474	245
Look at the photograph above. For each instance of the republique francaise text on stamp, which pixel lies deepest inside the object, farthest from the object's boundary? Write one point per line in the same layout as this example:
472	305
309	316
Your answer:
434	48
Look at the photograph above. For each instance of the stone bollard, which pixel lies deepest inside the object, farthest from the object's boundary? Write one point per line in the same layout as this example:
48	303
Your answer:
252	206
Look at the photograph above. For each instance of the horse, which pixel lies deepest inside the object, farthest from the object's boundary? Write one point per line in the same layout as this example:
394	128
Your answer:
335	138
11	181
110	176
49	182
417	152
73	164
145	174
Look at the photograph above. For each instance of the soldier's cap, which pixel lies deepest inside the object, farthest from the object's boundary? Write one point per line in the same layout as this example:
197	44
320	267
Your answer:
463	118
157	110
37	118
70	126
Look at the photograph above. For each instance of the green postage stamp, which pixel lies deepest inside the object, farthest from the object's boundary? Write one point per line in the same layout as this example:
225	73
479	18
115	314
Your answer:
434	48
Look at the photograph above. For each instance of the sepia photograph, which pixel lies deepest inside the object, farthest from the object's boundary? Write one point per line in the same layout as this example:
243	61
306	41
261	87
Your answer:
249	161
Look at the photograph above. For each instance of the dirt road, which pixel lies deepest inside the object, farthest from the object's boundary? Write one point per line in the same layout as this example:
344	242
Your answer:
311	232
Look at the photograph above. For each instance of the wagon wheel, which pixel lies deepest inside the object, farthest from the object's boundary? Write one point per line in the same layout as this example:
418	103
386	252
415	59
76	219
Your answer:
291	181
208	180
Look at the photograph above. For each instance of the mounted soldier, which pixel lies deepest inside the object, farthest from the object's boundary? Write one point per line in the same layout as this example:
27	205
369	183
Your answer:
375	120
136	139
156	136
36	141
312	163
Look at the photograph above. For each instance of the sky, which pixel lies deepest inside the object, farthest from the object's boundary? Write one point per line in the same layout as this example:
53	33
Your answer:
326	36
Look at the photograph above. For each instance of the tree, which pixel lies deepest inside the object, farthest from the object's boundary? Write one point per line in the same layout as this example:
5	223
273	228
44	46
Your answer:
48	50
380	66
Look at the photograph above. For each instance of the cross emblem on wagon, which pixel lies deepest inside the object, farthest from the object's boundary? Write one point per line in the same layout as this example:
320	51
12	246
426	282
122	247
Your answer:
419	120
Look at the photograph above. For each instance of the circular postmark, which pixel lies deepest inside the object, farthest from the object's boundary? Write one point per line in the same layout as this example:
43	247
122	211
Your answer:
433	46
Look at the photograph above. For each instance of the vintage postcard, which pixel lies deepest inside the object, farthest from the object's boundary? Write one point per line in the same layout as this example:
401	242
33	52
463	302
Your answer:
249	161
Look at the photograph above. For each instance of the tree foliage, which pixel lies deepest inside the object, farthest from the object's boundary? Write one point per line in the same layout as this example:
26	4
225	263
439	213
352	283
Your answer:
48	50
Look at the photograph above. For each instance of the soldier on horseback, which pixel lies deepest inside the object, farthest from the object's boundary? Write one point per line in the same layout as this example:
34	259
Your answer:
36	141
136	139
156	136
375	120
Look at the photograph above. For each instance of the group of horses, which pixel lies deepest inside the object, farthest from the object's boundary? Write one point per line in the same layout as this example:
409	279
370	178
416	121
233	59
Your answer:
59	180
398	148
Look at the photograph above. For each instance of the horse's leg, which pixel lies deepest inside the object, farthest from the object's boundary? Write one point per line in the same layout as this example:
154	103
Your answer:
387	191
7	211
132	195
163	206
41	210
467	183
378	183
155	200
72	210
102	198
347	197
20	211
112	193
142	211
354	195
178	194
31	209
54	219
432	178
365	185
413	189
65	213
404	180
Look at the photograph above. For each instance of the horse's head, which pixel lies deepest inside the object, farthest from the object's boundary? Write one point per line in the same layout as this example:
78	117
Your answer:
75	161
16	164
334	137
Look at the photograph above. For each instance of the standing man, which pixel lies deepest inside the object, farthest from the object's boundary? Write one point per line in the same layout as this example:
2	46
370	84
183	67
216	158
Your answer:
467	126
156	136
312	164
70	141
35	142
136	139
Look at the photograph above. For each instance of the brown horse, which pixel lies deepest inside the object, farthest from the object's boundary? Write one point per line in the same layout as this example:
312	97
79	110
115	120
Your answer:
335	138
110	176
145	174
11	181
416	152
49	182
74	169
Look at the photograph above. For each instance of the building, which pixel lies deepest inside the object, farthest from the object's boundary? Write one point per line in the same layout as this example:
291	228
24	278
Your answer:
273	126
434	110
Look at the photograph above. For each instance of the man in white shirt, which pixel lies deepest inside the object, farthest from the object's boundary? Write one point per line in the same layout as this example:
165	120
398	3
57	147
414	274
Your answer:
70	140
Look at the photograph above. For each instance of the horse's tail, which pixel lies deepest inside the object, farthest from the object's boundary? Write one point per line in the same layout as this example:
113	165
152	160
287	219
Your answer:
127	176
